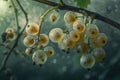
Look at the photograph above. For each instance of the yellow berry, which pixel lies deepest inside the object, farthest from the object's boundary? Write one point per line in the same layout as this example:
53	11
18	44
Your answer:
29	41
102	39
70	17
74	35
43	39
56	35
69	43
79	26
81	38
53	17
84	48
49	51
32	29
92	31
11	36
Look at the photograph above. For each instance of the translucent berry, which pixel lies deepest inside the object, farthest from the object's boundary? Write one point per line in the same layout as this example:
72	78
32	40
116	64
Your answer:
32	29
92	31
49	51
84	48
28	51
9	30
69	43
99	54
74	35
11	35
29	41
102	39
81	38
43	39
39	57
70	17
79	26
53	16
62	46
87	61
56	35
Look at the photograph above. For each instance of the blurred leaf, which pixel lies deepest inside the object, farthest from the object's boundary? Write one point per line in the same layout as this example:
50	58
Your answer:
83	3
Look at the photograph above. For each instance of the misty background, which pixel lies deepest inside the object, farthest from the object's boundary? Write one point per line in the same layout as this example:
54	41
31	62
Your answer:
64	66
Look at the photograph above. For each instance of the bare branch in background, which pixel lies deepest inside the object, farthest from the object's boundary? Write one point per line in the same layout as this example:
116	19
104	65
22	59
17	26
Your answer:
6	57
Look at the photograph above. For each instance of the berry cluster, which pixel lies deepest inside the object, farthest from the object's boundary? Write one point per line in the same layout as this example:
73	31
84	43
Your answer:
80	35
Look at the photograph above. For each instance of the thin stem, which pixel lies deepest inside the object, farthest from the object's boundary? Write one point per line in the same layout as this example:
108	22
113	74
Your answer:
42	18
81	10
16	15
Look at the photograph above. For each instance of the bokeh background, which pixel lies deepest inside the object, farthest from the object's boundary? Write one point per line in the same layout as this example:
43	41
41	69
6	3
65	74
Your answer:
63	66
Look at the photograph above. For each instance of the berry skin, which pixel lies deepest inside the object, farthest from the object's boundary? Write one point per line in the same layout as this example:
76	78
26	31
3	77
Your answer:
100	41
56	35
84	48
70	17
92	31
81	38
49	51
39	57
28	51
74	35
87	61
69	43
99	54
79	26
32	29
9	30
10	34
53	17
43	39
29	41
62	46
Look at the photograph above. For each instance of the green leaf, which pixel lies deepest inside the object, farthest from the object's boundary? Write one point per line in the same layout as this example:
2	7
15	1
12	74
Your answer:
82	3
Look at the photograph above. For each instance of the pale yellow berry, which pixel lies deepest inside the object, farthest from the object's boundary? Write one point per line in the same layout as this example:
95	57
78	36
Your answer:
49	51
29	41
43	39
70	17
99	54
92	31
87	61
39	57
69	43
32	29
56	35
79	26
74	35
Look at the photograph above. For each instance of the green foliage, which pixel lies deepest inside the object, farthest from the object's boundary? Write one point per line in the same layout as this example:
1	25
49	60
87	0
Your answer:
82	3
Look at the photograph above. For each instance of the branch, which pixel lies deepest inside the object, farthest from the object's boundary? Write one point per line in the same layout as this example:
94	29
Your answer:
16	15
81	10
5	59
